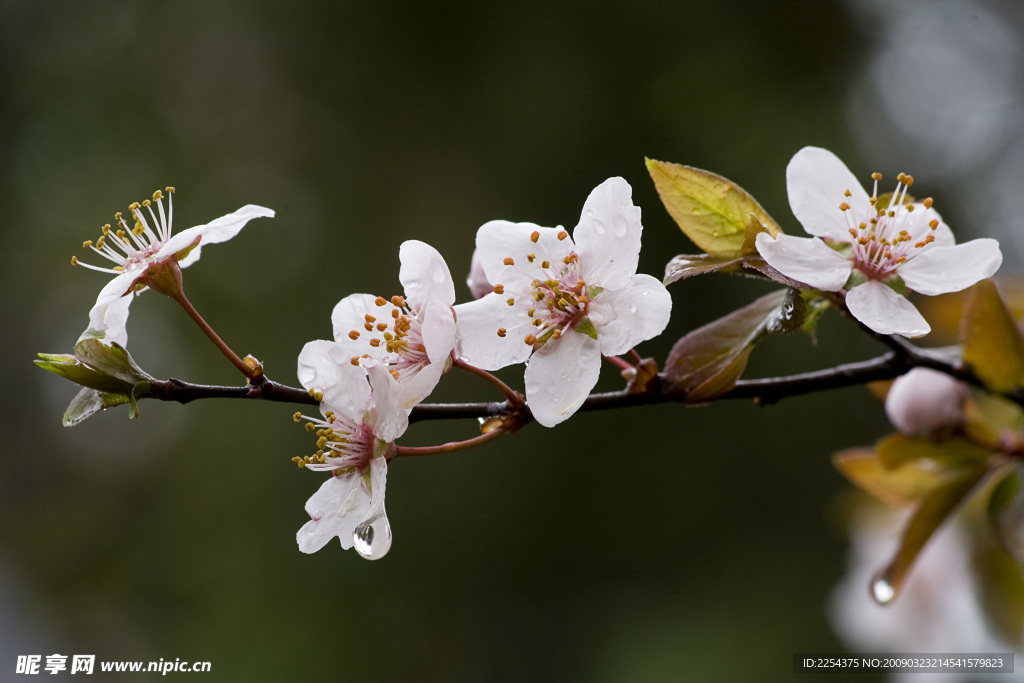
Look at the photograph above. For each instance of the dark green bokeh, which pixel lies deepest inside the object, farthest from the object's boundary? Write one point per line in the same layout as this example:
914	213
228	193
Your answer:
645	545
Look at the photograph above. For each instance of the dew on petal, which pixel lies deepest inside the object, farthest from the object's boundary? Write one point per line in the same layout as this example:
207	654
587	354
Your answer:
621	226
372	539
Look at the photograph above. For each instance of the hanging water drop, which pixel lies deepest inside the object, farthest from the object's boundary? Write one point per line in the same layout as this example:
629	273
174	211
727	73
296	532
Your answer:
882	591
372	539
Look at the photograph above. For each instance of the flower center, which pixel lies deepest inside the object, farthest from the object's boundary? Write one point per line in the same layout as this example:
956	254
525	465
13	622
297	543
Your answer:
135	245
888	233
398	334
556	302
343	445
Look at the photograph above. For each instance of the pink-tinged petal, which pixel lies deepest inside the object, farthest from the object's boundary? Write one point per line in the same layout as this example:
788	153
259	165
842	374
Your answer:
386	418
477	280
560	375
424	274
806	259
817	181
108	317
925	402
372	538
885	311
326	366
335	510
937	270
477	325
219	230
500	241
608	235
625	317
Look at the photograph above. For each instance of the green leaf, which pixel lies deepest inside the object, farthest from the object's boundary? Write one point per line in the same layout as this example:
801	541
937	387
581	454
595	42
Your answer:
898	488
992	344
112	359
934	509
88	402
708	361
896	450
1006	513
1002	592
712	211
73	369
684	266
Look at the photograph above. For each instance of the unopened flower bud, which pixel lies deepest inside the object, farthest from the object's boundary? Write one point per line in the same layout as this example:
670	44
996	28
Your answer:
925	402
477	280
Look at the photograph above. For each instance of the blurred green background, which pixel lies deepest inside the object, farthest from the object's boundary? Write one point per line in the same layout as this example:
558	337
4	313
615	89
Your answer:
651	544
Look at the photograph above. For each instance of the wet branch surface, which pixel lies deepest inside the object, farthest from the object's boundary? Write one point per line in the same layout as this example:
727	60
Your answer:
902	357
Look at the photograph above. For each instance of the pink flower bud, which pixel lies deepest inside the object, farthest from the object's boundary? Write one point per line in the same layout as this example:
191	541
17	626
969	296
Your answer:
477	281
925	402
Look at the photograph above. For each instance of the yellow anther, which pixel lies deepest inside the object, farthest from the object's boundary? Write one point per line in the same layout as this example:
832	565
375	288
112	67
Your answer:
354	360
844	207
531	312
537	322
545	264
146	202
556	334
847	193
511	301
354	334
501	331
398	301
876	176
321	442
310	426
563	303
297	416
534	236
562	235
901	177
158	195
121	234
928	202
508	261
375	343
319	396
933	223
311	392
380	301
87	243
119	269
368	327
369	318
499	289
169	188
74	260
853	233
394	373
909	180
892	214
873	201
531	257
117	217
388	336
395	313
530	339
909	208
863	226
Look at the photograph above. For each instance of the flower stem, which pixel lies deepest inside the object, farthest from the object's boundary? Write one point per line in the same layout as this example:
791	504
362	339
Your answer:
618	362
449	447
183	301
637	360
513	396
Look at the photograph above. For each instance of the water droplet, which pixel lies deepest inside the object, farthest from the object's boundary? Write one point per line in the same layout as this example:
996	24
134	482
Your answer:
621	226
437	274
632	308
590	213
882	591
600	228
372	540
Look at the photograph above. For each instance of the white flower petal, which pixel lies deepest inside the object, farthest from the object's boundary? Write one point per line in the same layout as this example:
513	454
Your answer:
477	280
335	510
608	235
885	311
424	274
937	270
816	181
560	375
326	366
350	314
386	418
806	259
625	317
497	241
108	317
477	325
219	230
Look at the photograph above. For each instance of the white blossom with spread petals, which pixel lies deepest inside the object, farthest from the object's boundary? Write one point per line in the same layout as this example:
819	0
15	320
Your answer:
560	302
414	335
134	250
865	243
354	440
